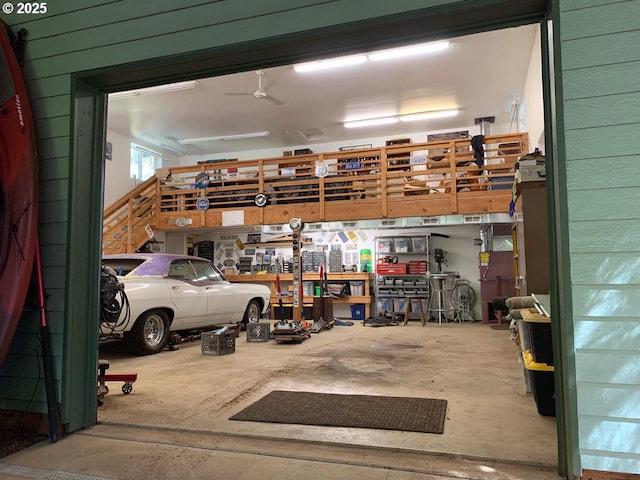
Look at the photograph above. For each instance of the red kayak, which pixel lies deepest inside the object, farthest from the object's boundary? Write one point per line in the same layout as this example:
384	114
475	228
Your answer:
18	192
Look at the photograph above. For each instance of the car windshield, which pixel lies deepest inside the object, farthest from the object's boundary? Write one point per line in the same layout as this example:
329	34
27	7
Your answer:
122	266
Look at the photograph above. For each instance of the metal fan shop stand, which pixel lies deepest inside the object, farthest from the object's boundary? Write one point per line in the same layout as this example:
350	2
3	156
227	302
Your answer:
463	299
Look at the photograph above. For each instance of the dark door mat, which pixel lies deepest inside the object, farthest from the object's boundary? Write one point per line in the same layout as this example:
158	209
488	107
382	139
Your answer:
364	411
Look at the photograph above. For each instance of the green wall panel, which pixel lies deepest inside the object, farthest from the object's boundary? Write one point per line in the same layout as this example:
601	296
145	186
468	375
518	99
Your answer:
100	13
53	191
617	401
618	433
147	21
601	20
607	334
53	233
55	298
587	143
605	269
54	147
603	110
54	168
605	236
613	301
621	368
602	80
568	5
596	204
30	366
603	173
52	87
48	128
54	211
49	107
603	50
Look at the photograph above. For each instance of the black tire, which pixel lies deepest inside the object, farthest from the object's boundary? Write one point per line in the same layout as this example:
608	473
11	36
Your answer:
251	314
150	333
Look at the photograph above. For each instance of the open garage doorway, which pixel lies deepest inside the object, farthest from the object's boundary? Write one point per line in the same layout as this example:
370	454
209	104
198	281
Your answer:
471	365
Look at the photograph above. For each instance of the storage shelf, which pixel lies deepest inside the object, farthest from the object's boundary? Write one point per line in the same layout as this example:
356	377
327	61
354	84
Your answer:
270	280
401	275
389	242
275	244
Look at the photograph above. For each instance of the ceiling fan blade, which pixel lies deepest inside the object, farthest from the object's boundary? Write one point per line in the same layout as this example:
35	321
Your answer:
260	93
274	100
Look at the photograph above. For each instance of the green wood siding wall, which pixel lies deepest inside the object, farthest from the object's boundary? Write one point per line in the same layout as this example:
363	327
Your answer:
601	87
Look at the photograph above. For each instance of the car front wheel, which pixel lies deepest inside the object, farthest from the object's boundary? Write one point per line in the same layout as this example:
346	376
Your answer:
150	333
251	314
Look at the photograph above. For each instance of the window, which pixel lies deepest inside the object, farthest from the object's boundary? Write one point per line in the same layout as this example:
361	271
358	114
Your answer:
207	272
181	270
143	163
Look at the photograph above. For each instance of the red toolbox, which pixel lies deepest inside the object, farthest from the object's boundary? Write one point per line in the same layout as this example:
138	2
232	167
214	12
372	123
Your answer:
391	268
417	266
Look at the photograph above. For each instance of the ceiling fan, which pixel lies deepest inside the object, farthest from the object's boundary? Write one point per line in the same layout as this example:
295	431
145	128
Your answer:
260	93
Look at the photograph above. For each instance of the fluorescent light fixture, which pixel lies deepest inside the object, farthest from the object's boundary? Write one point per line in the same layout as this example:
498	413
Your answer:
408	51
188	141
371	122
330	63
413	117
171	149
169	87
387	54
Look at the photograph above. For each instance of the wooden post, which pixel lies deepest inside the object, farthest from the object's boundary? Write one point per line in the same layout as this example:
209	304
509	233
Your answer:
453	174
383	183
297	275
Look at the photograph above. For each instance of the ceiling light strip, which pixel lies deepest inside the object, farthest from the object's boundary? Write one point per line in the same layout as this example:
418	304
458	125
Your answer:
411	117
330	63
387	54
188	141
371	122
170	87
411	50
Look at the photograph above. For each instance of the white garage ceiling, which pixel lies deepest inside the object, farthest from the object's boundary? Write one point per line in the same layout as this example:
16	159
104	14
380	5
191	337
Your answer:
481	75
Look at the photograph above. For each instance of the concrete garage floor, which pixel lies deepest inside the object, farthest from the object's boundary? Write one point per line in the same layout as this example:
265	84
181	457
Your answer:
175	422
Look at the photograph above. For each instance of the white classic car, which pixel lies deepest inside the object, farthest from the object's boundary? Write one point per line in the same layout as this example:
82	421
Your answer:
167	293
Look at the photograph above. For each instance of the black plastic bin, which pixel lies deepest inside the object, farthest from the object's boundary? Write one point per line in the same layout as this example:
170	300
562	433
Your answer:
542	383
287	309
539	333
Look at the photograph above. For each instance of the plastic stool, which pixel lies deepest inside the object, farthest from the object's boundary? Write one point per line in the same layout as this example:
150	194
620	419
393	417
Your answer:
409	299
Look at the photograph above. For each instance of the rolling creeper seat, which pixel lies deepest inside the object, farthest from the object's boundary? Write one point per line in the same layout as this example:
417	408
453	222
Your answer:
104	377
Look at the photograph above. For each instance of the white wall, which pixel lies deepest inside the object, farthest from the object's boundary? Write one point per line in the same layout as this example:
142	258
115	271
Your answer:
532	98
117	181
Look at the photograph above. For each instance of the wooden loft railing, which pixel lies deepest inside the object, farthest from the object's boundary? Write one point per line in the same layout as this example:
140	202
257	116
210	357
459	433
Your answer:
125	222
416	179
